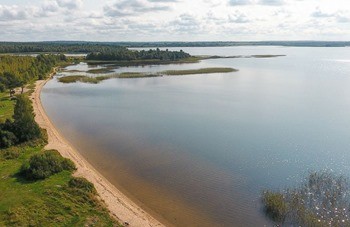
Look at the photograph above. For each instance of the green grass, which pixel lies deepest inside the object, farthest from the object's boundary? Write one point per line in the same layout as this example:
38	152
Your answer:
49	202
198	71
6	107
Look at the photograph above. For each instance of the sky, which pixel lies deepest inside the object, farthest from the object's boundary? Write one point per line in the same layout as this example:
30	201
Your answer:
174	20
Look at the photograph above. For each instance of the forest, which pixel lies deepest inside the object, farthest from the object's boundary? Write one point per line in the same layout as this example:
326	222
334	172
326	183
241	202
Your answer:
17	71
55	47
124	54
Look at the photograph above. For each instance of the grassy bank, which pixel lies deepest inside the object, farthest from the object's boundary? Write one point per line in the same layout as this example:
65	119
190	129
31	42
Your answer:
53	201
198	71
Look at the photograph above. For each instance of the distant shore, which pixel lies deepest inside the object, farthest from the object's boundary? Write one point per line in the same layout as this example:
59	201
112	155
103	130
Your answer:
120	206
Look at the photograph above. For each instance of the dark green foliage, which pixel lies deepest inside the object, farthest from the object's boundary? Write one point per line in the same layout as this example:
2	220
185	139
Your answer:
11	154
17	71
124	54
44	165
24	126
82	184
7	139
55	47
323	200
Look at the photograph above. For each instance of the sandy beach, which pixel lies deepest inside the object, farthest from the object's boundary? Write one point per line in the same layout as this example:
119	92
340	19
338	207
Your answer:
120	206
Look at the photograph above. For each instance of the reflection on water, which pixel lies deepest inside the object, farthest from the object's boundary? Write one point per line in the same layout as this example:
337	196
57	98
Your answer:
199	149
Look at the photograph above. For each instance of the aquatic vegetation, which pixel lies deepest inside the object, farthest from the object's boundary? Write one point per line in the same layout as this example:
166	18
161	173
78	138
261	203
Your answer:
97	79
100	71
78	78
135	75
119	63
199	71
322	200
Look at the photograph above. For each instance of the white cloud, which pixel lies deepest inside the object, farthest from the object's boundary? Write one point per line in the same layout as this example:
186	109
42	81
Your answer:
134	8
70	4
9	13
152	20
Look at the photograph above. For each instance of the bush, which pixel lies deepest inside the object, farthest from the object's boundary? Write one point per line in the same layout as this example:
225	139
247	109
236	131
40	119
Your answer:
44	165
11	154
7	139
82	184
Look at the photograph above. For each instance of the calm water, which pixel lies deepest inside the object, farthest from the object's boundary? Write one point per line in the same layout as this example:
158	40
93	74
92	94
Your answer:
198	150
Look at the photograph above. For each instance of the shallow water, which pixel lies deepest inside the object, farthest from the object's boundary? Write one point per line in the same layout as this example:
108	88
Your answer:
199	149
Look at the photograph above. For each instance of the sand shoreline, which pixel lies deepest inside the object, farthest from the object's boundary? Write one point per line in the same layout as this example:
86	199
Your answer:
120	206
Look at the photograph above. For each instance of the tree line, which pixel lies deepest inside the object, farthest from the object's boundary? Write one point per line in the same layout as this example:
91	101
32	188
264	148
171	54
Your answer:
124	54
87	47
55	47
17	71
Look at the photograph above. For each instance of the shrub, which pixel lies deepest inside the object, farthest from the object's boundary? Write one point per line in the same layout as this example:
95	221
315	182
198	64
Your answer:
44	165
11	154
82	184
7	139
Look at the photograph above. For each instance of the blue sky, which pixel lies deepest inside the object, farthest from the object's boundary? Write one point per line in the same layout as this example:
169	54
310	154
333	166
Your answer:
174	20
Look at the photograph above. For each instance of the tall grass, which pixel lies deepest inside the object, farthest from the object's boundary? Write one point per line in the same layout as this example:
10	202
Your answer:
199	71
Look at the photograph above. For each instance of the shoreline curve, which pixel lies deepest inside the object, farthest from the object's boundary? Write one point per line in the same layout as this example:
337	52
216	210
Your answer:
125	211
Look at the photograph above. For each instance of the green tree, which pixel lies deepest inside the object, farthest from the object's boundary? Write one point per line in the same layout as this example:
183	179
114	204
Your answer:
24	126
11	81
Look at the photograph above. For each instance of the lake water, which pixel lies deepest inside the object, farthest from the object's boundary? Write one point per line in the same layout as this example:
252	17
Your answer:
198	150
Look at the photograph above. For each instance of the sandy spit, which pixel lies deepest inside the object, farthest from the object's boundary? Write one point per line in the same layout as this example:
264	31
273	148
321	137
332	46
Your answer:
121	207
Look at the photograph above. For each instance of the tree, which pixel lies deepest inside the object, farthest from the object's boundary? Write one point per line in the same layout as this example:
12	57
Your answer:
11	81
24	126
